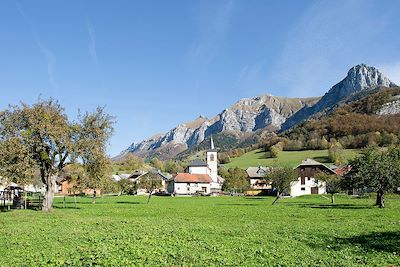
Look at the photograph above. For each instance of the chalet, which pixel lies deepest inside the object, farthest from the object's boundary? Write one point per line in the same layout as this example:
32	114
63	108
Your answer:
307	184
138	175
256	176
199	177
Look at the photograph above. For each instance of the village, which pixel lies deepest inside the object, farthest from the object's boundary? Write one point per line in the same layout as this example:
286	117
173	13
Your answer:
200	178
199	133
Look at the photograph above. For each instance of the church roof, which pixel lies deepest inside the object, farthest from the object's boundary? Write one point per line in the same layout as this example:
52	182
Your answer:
198	163
192	178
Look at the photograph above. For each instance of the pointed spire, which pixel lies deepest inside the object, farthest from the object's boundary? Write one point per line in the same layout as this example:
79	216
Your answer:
212	143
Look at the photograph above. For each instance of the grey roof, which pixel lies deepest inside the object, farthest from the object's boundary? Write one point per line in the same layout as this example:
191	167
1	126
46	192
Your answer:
311	162
257	172
198	163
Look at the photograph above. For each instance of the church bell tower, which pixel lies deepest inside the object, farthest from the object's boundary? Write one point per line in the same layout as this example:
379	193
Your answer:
212	162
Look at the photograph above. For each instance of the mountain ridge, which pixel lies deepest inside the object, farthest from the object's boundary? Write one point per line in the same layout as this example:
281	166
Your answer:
265	112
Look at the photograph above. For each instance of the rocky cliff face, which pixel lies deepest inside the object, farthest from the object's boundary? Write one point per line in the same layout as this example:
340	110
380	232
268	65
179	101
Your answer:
263	112
247	115
360	77
390	108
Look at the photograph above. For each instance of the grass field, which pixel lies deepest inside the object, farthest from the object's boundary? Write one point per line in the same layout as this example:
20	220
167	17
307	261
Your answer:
204	231
285	158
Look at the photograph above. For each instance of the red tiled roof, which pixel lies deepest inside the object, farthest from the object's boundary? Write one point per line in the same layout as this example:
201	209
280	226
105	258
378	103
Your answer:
192	178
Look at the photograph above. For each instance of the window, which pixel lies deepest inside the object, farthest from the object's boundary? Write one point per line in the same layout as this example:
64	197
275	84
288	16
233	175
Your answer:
212	157
188	184
308	178
303	189
303	180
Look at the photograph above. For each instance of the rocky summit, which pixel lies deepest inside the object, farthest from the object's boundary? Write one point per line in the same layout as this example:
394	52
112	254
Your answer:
360	77
247	115
267	112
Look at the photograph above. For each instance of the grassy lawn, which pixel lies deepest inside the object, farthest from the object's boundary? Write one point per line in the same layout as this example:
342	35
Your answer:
204	231
285	158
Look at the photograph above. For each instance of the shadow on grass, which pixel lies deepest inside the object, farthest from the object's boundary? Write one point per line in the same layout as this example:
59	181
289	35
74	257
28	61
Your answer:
129	202
238	204
326	206
386	241
372	242
67	208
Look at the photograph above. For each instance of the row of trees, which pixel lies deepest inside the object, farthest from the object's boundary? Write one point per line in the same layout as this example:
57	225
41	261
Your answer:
40	138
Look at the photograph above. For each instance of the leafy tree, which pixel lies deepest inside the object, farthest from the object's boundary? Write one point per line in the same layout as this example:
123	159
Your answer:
377	169
224	158
276	149
281	179
129	162
94	131
333	183
126	186
235	180
173	167
335	153
156	163
150	182
41	137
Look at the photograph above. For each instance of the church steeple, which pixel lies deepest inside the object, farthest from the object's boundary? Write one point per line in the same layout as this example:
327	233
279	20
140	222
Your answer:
212	161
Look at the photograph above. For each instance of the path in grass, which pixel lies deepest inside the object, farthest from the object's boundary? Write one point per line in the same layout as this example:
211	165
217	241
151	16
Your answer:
204	231
286	158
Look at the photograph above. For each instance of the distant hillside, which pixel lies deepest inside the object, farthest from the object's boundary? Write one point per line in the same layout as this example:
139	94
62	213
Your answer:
373	118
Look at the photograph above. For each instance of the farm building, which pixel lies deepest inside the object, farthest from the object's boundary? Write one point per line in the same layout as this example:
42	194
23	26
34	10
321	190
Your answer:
307	184
157	174
256	176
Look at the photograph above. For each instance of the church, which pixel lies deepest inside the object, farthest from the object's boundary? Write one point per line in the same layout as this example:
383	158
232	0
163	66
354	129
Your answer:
200	177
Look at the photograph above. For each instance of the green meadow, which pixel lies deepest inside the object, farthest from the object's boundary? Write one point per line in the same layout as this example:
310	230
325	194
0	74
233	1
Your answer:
204	231
285	158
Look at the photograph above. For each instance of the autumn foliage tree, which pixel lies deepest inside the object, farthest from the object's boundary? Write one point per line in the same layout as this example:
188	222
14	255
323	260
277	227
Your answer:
40	137
377	169
281	179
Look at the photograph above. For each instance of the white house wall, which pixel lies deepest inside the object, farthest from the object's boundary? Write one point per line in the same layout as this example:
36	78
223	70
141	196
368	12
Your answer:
191	188
199	170
295	187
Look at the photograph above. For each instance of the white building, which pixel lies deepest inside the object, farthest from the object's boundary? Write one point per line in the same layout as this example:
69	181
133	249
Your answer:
307	184
189	184
199	177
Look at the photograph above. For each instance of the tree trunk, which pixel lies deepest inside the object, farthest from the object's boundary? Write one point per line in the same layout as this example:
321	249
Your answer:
378	197
148	200
276	199
25	199
381	200
75	200
64	202
333	199
94	196
49	194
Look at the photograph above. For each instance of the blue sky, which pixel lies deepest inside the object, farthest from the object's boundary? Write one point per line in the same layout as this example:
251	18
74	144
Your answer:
155	64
